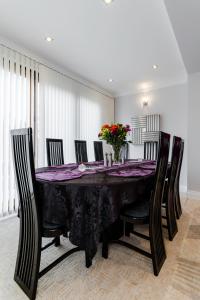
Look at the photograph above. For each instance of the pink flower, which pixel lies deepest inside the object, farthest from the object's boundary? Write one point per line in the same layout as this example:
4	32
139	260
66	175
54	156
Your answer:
127	128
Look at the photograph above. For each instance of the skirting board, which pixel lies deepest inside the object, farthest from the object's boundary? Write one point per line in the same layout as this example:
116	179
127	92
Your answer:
195	195
183	189
183	192
8	217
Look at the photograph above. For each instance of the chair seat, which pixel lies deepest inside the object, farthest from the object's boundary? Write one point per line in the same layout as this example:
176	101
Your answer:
137	211
52	226
52	230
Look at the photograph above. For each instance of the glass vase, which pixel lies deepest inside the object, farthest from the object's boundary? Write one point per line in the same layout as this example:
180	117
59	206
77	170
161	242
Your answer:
116	151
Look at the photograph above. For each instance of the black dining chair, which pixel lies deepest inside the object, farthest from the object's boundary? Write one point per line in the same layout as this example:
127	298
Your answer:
178	207
32	228
55	155
151	150
98	150
148	212
169	197
81	151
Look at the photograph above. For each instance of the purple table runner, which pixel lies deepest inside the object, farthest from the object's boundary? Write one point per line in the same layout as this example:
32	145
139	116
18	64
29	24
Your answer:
132	168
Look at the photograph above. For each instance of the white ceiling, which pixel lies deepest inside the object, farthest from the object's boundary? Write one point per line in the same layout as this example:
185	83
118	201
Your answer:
185	18
97	41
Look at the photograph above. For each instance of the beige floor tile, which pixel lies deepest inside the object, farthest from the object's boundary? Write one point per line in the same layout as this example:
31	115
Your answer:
125	275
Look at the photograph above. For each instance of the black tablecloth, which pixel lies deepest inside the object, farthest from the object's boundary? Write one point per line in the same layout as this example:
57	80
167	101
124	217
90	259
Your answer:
90	204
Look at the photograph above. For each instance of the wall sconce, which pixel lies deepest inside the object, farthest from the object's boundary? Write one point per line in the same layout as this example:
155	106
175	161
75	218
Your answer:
145	102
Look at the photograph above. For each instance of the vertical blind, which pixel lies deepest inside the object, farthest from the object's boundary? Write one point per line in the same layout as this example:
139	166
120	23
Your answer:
54	105
69	110
94	110
17	102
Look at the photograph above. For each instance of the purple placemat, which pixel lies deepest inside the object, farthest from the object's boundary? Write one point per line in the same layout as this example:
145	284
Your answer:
58	176
148	166
66	166
132	173
69	167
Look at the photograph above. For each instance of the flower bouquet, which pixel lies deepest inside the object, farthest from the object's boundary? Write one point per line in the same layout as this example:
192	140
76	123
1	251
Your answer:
115	135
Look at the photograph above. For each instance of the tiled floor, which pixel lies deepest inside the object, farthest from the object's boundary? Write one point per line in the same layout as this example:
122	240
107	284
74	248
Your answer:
125	275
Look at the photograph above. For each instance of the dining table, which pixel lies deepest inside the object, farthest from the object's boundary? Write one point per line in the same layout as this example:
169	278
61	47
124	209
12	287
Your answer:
88	198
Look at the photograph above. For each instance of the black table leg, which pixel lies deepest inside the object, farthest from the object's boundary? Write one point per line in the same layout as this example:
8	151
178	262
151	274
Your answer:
88	260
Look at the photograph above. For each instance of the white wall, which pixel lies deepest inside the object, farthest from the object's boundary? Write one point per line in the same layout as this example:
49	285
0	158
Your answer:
171	104
194	133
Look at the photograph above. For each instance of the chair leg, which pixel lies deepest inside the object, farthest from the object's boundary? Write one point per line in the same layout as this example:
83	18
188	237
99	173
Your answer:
171	218
158	261
127	228
57	241
157	248
28	259
178	205
105	251
105	246
170	207
88	260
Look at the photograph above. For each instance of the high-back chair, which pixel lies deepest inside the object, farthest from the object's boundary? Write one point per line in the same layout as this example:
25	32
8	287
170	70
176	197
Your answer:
98	150
31	227
151	150
148	212
55	155
169	191
178	208
81	151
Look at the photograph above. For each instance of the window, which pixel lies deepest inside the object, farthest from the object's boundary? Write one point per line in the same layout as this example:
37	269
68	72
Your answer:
55	106
17	80
68	110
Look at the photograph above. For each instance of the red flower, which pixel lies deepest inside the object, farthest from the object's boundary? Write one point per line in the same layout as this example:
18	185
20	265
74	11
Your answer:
114	129
105	126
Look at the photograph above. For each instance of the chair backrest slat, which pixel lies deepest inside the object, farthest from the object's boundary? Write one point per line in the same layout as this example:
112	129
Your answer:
81	151
98	150
55	156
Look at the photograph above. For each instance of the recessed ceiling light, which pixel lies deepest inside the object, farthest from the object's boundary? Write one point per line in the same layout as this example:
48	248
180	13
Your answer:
108	1
110	80
49	39
155	67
